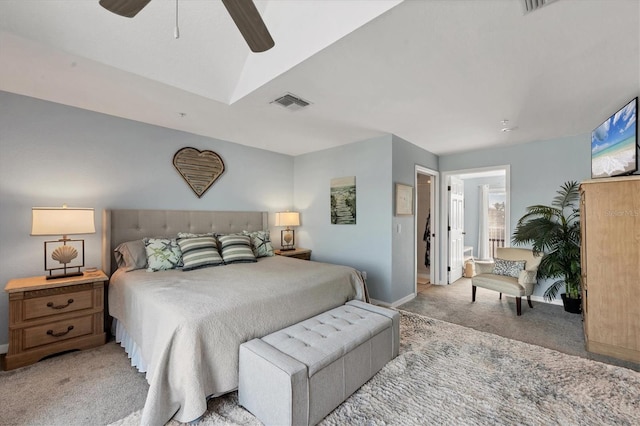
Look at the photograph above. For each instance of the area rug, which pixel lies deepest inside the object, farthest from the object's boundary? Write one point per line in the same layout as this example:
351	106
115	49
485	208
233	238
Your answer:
448	374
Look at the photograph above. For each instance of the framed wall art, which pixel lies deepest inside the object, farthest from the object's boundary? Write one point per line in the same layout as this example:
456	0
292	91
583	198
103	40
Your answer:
404	200
200	169
343	200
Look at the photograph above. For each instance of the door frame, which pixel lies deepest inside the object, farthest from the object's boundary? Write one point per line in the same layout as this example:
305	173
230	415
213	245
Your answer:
434	195
444	212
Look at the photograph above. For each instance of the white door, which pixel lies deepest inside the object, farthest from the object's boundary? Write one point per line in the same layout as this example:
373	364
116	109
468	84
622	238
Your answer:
456	228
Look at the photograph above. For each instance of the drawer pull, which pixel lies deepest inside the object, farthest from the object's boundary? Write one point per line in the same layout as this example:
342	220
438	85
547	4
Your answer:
62	333
50	305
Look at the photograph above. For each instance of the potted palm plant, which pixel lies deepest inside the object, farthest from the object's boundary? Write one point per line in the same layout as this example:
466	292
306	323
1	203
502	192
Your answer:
554	231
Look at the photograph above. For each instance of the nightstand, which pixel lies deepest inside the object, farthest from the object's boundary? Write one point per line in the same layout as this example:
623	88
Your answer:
51	316
297	253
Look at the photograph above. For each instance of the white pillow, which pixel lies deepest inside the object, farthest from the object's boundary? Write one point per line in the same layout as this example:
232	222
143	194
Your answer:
131	255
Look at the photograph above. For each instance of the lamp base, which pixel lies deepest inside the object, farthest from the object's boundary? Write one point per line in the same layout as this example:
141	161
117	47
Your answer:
67	275
287	239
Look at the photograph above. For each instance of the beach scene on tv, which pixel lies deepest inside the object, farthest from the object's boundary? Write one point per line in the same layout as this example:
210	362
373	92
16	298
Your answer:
613	144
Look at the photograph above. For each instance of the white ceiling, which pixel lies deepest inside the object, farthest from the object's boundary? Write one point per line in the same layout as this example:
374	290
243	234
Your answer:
441	74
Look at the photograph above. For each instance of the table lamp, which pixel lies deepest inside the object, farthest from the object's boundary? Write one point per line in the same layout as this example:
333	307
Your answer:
288	235
63	221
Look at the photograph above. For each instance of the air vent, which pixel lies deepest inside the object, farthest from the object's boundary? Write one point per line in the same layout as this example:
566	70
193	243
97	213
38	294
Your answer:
532	5
291	102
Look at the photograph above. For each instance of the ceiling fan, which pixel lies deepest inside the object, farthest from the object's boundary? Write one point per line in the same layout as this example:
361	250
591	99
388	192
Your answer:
243	13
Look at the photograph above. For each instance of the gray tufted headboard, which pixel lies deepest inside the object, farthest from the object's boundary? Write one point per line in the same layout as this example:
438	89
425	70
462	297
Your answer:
119	226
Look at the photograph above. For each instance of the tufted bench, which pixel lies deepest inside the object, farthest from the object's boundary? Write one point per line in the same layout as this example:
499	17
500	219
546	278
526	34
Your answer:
298	375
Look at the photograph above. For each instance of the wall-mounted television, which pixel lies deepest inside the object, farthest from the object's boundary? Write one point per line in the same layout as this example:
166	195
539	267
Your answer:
614	144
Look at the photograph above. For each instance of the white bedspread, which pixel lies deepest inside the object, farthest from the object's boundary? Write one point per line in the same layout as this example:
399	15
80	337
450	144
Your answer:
188	326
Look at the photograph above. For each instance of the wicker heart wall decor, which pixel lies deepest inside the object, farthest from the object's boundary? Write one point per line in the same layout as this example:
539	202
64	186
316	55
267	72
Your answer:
200	169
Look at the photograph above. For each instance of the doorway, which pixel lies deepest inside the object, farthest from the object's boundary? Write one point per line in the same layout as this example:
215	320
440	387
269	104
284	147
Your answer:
486	201
426	243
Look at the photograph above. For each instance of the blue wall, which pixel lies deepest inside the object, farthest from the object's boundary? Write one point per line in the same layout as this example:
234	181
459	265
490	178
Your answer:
405	158
367	244
373	244
537	170
54	154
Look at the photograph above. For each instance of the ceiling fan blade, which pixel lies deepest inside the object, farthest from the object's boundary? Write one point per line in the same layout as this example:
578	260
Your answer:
126	8
250	24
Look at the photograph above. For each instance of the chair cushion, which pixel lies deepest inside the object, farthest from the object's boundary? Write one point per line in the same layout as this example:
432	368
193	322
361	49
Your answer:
499	283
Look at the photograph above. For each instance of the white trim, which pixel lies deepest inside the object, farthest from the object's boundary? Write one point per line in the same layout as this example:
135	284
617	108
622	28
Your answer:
4	348
402	301
542	300
410	297
434	271
539	299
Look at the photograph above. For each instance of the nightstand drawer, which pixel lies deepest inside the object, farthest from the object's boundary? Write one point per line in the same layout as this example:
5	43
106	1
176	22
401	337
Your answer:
57	304
297	253
303	256
57	331
47	317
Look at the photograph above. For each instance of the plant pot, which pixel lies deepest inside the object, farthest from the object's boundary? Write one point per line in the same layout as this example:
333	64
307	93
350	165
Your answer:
573	306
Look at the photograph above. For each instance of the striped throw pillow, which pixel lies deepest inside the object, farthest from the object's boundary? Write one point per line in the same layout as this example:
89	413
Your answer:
236	248
199	252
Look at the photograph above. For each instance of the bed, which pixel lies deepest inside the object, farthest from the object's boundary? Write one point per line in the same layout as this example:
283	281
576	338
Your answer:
184	328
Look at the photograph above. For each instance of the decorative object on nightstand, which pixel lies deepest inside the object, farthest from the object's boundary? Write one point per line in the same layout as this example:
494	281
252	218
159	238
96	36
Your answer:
287	236
297	253
63	221
49	317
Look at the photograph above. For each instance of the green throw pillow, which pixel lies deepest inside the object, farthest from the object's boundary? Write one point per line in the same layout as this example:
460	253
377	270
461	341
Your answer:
260	243
162	254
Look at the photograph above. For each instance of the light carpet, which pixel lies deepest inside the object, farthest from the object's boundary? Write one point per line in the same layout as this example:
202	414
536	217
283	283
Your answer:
449	374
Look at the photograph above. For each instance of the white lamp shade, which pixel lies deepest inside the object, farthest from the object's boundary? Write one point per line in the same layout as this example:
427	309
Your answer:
62	221
288	219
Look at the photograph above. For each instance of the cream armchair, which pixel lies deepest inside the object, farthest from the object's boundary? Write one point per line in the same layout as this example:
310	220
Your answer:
521	286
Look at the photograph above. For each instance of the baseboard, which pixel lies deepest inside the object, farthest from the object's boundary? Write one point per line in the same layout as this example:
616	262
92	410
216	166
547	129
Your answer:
542	300
539	299
4	348
393	304
412	296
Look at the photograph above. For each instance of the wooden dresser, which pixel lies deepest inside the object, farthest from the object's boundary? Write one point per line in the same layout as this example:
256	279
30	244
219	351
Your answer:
51	316
610	226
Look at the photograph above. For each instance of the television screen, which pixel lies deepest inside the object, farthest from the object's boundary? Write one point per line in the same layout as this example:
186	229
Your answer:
614	144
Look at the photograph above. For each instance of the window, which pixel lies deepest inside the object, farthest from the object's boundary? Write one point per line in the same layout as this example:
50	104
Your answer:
497	202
